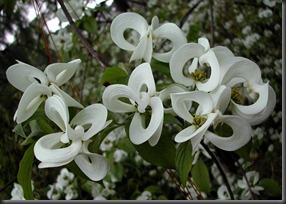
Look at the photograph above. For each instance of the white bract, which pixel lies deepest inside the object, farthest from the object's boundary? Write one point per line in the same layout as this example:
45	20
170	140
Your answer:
149	34
141	92
58	149
38	85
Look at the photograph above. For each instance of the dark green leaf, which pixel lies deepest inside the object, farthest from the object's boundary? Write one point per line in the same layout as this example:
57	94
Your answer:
72	166
171	119
18	129
114	75
161	67
162	154
201	176
271	187
244	152
25	173
184	159
90	25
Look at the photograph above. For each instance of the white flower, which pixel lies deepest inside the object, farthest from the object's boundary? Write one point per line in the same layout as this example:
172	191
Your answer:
223	193
148	36
146	195
62	39
75	136
253	178
270	3
70	192
38	85
17	192
54	193
141	92
201	55
65	177
119	155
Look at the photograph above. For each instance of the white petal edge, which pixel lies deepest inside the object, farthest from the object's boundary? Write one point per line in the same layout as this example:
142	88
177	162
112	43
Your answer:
240	137
128	20
142	78
114	92
22	75
137	132
173	33
48	149
32	98
177	61
60	73
204	42
221	97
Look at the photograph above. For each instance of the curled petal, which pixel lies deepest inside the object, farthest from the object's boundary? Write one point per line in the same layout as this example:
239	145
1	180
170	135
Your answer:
126	21
32	98
213	81
242	68
258	106
221	96
222	53
60	73
173	33
94	115
57	111
48	150
138	133
142	80
265	113
165	95
70	102
178	60
143	50
241	133
180	103
204	42
22	75
113	93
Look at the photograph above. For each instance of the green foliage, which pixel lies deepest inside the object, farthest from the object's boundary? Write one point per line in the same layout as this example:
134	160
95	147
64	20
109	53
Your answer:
271	187
201	176
184	159
114	75
25	172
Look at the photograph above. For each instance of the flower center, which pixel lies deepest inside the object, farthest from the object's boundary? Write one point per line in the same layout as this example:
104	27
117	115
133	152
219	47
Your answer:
237	96
198	121
199	75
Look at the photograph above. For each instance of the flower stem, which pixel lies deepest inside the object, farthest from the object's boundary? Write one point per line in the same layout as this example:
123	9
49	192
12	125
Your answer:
220	169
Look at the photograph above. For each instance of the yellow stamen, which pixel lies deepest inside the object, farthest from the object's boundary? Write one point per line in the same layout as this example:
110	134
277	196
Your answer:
198	121
199	75
236	96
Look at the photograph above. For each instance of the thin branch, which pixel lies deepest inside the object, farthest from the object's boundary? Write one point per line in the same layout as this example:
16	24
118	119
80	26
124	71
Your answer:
184	19
90	50
211	22
8	184
220	169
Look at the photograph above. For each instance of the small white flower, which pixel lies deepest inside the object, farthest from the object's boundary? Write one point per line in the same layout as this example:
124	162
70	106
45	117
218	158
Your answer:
17	192
65	177
146	195
55	191
70	192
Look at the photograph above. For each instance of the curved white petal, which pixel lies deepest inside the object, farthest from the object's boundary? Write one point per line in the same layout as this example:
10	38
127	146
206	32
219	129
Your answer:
154	139
48	149
210	59
222	53
60	73
123	22
180	103
241	133
173	33
177	61
113	93
265	113
186	134
221	97
137	131
22	75
258	106
70	102
165	95
32	98
204	42
142	80
140	49
94	115
57	111
243	68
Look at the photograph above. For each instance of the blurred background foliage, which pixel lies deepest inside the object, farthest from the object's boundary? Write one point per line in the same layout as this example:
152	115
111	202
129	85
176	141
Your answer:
252	29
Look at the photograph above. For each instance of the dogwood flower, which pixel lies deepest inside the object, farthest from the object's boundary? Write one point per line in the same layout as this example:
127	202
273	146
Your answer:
58	149
148	36
38	85
197	72
141	92
207	114
250	97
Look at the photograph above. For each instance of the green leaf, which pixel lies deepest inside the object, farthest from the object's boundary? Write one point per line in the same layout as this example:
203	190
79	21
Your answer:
184	159
72	166
18	129
271	187
244	152
114	75
201	176
161	67
171	119
25	173
162	154
223	130
90	24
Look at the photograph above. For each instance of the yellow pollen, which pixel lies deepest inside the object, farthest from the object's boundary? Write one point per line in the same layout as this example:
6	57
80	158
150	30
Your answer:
199	75
198	121
236	96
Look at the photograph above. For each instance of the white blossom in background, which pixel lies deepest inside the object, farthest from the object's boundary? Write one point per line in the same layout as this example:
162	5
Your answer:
270	3
55	191
77	9
146	195
253	178
71	192
65	177
17	192
61	39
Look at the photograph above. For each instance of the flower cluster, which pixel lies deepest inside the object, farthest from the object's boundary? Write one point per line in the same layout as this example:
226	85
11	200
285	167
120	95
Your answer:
212	89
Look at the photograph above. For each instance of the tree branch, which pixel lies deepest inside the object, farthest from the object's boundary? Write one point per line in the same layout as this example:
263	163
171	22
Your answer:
90	50
211	22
